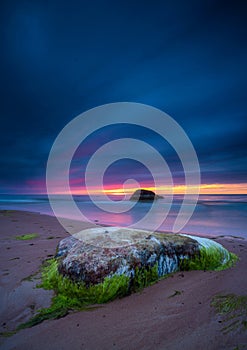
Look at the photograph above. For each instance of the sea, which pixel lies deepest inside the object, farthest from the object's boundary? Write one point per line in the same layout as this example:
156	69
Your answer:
214	215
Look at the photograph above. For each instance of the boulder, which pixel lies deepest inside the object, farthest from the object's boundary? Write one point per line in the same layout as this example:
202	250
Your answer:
144	196
97	253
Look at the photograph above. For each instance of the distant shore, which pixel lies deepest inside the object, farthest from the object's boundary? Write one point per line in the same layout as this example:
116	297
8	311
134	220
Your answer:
175	313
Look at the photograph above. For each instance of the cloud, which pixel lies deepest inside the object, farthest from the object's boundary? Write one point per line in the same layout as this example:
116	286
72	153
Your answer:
188	59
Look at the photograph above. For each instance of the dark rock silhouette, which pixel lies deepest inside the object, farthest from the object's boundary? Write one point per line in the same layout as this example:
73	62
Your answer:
144	196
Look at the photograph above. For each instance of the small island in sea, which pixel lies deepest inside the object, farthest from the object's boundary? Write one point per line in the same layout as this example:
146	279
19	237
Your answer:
143	195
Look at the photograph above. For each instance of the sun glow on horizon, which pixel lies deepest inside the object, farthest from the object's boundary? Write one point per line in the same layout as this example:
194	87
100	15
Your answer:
117	190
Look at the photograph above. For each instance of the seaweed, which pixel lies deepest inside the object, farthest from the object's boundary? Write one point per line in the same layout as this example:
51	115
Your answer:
208	259
143	277
76	296
27	237
233	310
7	334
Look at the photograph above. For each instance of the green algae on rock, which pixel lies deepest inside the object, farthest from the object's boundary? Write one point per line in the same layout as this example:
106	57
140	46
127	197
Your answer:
71	295
101	264
105	252
212	256
96	253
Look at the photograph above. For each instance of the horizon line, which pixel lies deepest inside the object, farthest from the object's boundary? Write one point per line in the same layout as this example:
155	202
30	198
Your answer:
118	190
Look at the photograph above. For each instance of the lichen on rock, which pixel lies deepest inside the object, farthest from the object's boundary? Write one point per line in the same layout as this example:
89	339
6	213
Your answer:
100	253
95	254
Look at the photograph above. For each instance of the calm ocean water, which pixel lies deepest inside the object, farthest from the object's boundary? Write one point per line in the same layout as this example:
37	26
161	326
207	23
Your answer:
214	214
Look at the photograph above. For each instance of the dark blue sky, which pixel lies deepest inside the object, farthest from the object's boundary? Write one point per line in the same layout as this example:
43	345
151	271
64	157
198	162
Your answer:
60	58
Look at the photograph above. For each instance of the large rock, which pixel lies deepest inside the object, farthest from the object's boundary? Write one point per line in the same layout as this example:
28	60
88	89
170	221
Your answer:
103	252
144	196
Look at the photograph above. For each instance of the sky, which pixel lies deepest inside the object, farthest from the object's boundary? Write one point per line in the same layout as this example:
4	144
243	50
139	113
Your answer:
61	58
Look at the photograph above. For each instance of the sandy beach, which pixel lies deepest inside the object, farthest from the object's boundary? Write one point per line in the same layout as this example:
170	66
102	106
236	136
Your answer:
175	313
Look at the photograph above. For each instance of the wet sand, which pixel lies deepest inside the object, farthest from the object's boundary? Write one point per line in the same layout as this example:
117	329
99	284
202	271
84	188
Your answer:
156	318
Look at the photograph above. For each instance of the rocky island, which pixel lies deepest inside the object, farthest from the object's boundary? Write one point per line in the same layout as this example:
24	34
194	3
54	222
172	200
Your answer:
143	195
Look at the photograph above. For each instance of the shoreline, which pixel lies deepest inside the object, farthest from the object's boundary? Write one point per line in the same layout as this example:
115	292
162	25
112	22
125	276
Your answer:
219	216
96	223
153	318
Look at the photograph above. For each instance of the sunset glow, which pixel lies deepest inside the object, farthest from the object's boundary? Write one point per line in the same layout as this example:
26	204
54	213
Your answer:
180	189
188	61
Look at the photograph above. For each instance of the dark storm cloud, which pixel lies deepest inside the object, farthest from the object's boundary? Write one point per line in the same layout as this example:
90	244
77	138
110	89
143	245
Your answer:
61	58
